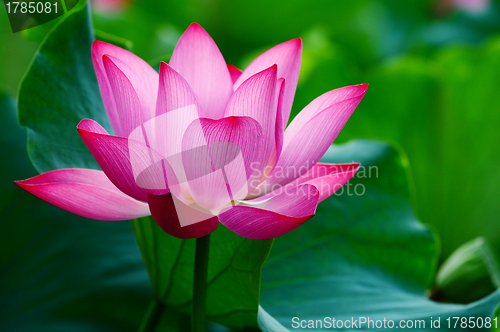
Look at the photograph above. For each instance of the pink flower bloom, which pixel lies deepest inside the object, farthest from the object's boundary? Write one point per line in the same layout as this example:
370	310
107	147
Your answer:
109	6
202	143
473	6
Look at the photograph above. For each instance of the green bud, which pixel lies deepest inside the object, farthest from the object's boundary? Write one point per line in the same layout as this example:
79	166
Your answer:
469	274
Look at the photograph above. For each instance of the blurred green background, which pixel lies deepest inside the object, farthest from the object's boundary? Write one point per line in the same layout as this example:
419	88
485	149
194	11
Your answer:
433	69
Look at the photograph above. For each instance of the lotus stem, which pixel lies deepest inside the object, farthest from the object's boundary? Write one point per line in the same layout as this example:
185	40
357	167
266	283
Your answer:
200	283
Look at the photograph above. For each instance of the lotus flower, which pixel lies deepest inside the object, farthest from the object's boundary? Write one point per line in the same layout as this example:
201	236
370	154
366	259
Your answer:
201	142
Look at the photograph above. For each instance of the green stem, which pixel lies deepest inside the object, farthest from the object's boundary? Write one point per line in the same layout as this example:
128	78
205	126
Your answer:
64	6
152	316
200	283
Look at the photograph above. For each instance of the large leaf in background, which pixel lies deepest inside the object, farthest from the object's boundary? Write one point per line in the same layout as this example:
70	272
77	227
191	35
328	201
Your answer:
13	143
60	272
361	255
59	90
443	110
233	274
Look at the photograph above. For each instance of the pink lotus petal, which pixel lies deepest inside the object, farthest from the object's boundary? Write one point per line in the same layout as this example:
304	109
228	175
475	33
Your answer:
269	218
279	128
164	134
280	124
174	91
126	92
220	158
198	59
163	209
85	192
309	136
234	72
130	165
148	76
147	93
288	57
255	98
323	102
176	108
